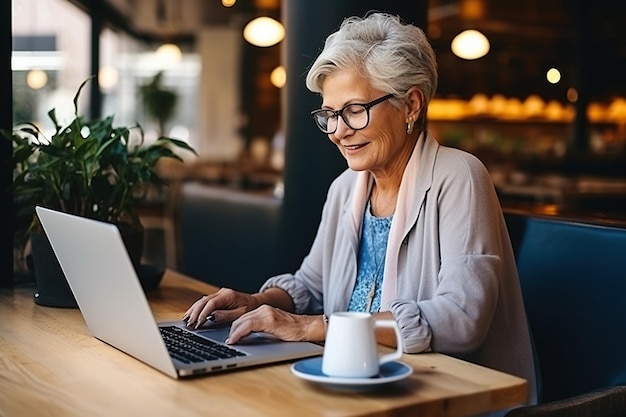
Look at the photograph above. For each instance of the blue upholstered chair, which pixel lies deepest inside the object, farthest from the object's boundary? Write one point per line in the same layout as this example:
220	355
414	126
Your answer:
228	237
602	402
573	278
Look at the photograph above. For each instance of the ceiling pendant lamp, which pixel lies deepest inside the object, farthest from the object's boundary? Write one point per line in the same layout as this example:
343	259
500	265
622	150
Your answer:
278	76
470	44
36	79
170	52
167	56
264	31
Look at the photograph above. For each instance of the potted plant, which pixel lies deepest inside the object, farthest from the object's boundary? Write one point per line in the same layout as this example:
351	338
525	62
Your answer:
158	102
88	168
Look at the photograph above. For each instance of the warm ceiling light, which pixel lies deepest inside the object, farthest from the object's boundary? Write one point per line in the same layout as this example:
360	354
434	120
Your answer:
108	77
553	75
169	54
554	110
513	109
472	9
228	3
278	76
596	112
617	109
36	79
470	44
533	106
479	104
497	104
572	95
264	31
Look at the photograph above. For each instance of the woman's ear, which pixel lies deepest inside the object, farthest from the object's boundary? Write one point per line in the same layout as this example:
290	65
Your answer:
414	103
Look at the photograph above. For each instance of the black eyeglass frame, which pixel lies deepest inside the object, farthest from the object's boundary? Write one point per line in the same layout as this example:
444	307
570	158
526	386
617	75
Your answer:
339	113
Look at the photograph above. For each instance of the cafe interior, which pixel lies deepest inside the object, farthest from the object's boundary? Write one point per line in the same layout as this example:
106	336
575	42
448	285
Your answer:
543	104
535	89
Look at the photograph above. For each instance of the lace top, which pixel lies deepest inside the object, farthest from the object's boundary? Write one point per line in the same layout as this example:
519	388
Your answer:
370	263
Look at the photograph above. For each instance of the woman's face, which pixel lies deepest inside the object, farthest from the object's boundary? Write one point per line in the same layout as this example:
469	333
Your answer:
382	146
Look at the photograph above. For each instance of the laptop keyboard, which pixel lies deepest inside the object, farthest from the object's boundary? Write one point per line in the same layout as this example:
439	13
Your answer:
188	347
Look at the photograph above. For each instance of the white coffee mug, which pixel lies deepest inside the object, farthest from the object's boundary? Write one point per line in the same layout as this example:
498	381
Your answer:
351	350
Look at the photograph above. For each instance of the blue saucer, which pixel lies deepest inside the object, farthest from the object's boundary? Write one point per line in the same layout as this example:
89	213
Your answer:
311	370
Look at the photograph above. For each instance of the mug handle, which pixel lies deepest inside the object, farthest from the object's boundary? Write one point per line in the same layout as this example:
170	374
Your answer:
394	356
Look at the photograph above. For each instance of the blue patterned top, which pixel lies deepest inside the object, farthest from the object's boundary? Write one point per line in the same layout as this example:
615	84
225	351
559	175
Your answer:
370	262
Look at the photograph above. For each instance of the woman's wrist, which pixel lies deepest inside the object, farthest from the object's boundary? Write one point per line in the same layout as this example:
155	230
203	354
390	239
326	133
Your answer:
318	328
276	297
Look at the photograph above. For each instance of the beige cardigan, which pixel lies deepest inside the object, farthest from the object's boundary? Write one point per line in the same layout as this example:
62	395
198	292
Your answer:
456	288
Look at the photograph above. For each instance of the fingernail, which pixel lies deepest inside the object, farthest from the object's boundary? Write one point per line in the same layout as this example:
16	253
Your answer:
227	341
185	317
210	317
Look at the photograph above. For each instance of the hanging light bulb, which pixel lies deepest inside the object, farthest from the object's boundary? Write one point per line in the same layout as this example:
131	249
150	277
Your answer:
36	79
470	44
264	31
168	55
533	106
170	51
278	77
553	75
108	77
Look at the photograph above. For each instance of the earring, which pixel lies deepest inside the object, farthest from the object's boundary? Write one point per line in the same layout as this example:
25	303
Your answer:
409	126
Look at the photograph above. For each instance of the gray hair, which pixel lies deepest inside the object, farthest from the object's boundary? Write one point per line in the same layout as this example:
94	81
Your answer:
392	55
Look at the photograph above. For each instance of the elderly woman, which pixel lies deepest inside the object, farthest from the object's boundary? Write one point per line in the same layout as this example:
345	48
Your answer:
412	231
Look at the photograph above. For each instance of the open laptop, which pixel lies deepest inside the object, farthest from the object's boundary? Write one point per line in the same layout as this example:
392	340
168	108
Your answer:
100	273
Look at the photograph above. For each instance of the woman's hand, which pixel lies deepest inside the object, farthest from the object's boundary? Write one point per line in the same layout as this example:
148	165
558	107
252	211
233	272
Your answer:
225	305
279	323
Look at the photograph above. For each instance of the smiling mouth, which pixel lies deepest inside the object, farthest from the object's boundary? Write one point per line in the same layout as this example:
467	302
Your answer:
354	147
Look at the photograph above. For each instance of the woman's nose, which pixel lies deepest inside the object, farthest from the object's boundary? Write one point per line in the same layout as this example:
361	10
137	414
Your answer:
343	129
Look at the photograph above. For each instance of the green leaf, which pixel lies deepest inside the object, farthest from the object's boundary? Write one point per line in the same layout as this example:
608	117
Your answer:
88	167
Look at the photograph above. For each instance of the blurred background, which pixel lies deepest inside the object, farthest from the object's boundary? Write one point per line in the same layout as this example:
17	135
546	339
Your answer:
544	64
536	89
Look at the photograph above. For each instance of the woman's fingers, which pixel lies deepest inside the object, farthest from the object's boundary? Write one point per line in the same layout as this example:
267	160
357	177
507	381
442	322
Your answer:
223	306
227	316
194	308
246	324
267	319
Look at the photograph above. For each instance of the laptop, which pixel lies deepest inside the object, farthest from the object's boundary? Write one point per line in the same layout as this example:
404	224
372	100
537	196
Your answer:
109	295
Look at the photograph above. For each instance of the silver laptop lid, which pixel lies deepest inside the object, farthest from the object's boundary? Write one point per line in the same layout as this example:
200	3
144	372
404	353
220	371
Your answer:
99	271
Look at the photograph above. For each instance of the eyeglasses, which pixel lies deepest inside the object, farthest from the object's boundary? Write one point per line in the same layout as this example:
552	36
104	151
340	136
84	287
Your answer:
356	116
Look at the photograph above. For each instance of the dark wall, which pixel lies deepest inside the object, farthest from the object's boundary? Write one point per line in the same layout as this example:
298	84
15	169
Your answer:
6	120
312	161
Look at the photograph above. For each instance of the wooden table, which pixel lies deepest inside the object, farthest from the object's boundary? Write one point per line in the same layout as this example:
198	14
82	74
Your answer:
50	365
